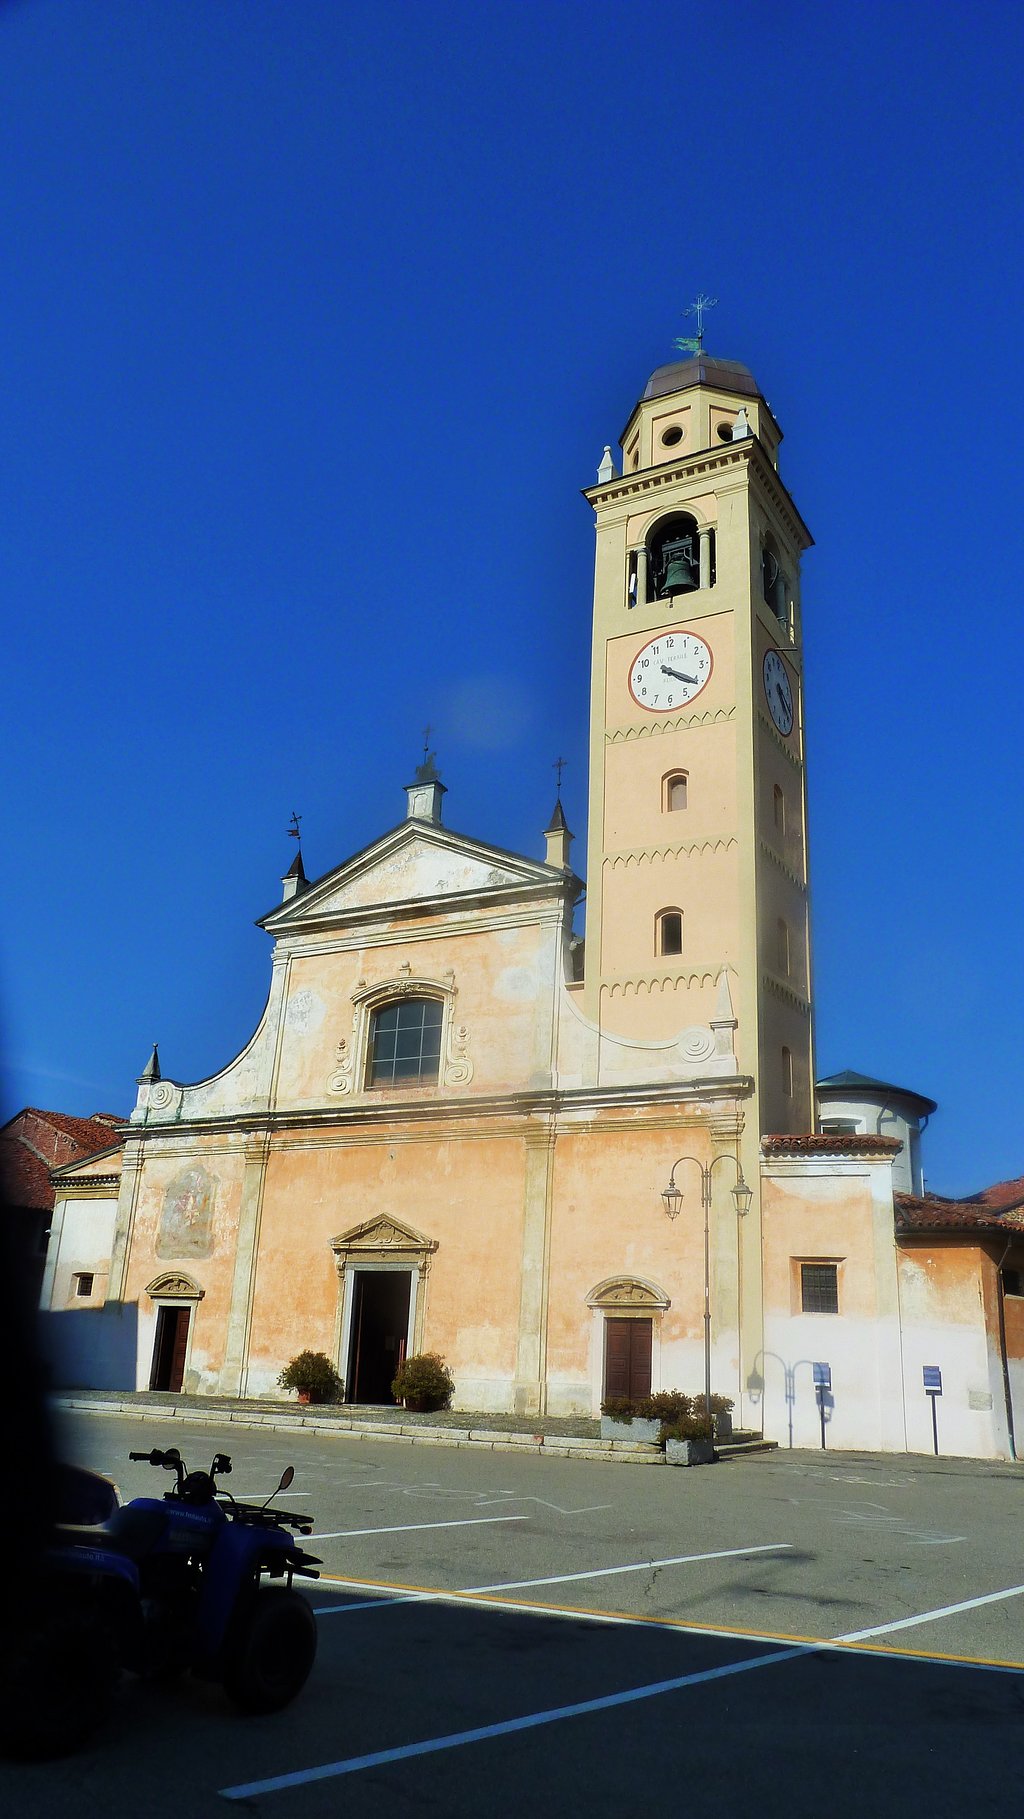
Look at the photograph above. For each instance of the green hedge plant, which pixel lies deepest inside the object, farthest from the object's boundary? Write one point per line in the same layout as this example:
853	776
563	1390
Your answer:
312	1374
424	1382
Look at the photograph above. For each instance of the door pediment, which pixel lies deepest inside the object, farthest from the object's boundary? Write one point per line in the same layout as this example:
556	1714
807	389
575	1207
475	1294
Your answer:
382	1237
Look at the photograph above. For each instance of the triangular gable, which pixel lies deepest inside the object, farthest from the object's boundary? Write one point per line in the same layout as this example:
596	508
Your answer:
417	863
105	1163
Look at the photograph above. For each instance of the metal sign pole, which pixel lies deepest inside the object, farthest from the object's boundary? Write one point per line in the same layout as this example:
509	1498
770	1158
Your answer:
822	1385
933	1390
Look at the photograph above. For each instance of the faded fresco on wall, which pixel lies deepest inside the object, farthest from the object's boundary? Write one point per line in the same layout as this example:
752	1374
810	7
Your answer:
186	1222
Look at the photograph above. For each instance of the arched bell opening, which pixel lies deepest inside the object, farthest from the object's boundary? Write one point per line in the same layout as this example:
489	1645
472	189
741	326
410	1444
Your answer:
680	557
774	582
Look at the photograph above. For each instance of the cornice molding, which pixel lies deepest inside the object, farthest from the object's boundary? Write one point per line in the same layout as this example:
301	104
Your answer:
780	864
669	724
623	985
497	1110
638	855
782	745
779	989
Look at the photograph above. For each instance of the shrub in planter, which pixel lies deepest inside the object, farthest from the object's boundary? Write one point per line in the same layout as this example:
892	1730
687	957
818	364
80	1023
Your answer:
313	1377
424	1382
688	1441
721	1410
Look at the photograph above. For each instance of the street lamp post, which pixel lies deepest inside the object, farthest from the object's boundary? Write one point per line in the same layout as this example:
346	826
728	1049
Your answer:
673	1199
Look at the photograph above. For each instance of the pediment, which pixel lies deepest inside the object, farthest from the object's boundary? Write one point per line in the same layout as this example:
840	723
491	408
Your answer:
628	1294
382	1235
416	864
174	1284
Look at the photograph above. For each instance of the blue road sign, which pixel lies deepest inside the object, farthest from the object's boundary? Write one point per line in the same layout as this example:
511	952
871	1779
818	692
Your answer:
932	1379
822	1376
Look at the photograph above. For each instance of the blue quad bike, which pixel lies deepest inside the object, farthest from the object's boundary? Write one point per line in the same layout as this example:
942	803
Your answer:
190	1582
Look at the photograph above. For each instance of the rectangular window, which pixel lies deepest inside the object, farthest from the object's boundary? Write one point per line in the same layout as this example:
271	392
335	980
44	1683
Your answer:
782	937
405	1042
779	803
819	1288
787	1073
83	1284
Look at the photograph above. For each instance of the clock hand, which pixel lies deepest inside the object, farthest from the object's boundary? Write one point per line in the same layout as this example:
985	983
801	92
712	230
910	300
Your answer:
678	674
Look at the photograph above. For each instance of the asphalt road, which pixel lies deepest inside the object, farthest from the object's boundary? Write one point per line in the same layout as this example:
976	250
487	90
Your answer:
500	1631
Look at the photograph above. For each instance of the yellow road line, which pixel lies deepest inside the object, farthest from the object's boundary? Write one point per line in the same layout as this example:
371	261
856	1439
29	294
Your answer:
737	1631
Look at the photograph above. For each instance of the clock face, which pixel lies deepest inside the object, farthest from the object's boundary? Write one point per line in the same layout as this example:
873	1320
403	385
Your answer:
669	671
778	692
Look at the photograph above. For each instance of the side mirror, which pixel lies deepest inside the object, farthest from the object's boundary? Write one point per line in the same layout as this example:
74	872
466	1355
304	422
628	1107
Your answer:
286	1477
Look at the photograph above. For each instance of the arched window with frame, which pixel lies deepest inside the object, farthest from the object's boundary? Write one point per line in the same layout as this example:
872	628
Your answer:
405	1042
673	791
669	932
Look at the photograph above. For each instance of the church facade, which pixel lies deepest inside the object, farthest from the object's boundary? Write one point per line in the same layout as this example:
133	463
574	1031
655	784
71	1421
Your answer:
458	1128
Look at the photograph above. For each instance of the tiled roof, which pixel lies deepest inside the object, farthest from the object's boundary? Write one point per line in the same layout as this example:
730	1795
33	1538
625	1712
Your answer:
1003	1195
933	1214
34	1142
24	1177
840	1143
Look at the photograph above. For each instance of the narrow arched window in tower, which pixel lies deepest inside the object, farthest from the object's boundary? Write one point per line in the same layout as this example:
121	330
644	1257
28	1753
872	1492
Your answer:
787	1073
774	583
782	934
779	806
673	788
669	932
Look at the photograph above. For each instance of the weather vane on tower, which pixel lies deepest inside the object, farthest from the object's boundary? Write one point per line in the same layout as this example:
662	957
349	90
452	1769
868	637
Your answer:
695	345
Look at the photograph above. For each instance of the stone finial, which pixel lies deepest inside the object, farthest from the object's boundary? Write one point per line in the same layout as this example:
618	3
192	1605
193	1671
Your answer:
741	427
424	796
558	838
151	1071
607	469
724	1022
294	880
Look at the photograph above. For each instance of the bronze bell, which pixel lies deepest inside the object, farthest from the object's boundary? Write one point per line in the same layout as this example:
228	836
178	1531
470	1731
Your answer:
681	573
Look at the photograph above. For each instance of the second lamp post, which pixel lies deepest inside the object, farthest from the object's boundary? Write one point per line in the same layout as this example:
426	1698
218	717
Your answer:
673	1199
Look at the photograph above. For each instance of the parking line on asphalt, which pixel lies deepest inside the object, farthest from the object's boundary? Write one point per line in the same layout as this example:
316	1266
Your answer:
945	1610
418	1593
533	1607
404	1528
504	1728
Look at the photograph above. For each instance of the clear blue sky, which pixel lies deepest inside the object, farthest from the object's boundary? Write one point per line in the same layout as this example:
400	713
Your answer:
314	319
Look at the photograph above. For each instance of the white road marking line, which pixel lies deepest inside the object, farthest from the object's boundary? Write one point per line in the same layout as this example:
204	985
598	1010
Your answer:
945	1610
507	1727
404	1528
520	1585
641	1566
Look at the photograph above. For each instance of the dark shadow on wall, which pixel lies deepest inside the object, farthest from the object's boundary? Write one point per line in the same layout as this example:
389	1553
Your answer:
92	1348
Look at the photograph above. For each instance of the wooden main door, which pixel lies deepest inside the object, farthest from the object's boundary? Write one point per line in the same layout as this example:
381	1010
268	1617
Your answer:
627	1357
168	1371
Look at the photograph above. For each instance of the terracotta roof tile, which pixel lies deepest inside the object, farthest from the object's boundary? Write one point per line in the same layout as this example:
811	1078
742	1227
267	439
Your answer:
1003	1194
933	1214
844	1143
34	1141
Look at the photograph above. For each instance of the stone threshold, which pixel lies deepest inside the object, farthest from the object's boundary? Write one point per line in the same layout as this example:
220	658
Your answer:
322	1426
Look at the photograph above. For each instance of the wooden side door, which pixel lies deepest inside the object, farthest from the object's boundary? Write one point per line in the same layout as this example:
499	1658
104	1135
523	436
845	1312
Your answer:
627	1357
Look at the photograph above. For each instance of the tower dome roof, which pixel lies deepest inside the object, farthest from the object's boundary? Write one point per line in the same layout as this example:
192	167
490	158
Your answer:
727	375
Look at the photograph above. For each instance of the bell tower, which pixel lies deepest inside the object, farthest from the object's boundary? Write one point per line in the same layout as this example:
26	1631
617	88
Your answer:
697	858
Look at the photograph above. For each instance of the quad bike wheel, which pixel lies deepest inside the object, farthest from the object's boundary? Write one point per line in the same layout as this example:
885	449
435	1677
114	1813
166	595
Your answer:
270	1651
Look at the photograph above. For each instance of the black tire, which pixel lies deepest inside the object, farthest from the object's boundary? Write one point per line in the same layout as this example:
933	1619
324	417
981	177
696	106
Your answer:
270	1651
57	1680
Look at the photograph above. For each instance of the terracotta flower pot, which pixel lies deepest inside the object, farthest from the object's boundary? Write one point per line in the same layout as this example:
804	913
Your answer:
304	1396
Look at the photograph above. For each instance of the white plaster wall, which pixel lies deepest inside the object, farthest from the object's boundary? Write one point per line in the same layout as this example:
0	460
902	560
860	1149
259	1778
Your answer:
81	1239
866	1409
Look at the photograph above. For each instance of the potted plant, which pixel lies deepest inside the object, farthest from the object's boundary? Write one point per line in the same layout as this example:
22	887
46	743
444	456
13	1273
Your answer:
313	1377
641	1417
688	1440
721	1414
423	1382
